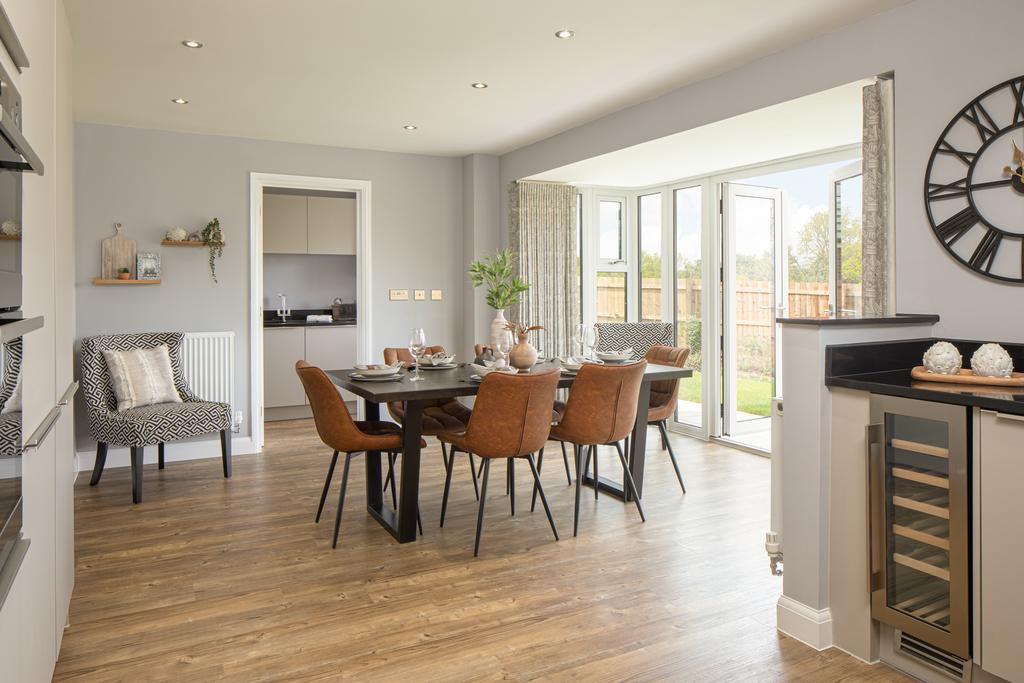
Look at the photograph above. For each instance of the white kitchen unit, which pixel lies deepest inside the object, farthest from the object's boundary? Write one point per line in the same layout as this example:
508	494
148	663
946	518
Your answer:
284	224
329	347
296	224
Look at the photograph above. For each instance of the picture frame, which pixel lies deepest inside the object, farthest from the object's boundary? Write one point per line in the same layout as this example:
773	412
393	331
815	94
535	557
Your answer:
147	265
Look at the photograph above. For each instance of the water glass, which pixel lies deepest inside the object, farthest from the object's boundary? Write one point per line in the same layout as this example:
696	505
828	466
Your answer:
417	345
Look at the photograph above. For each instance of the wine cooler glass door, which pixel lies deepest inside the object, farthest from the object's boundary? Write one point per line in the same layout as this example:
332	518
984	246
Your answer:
919	520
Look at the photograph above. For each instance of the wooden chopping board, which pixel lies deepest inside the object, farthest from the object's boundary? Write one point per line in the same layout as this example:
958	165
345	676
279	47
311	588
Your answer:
117	252
965	376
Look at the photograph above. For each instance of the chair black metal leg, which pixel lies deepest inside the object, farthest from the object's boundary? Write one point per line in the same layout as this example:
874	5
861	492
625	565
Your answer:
586	462
327	485
447	484
225	451
629	482
341	499
419	520
391	477
444	454
543	499
565	461
578	451
160	455
508	481
671	454
512	485
596	454
137	457
486	467
472	470
540	463
101	460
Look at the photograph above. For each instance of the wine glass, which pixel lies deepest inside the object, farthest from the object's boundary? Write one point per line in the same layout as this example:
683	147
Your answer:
505	344
593	340
417	345
579	336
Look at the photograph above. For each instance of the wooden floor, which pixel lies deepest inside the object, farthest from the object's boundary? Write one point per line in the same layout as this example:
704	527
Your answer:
230	580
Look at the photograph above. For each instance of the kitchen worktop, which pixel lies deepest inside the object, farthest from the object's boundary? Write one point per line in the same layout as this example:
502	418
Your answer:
884	368
832	320
297	318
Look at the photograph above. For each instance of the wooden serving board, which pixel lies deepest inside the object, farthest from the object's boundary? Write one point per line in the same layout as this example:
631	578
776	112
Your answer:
1016	379
117	252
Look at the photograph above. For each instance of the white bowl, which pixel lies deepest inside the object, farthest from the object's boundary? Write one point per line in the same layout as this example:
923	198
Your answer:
483	370
378	370
437	359
615	355
571	363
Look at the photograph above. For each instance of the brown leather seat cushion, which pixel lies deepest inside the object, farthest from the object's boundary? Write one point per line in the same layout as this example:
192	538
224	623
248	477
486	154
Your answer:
380	428
443	415
663	392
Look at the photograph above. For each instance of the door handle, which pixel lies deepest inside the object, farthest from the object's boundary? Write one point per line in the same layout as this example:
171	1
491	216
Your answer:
1005	416
69	393
43	430
874	436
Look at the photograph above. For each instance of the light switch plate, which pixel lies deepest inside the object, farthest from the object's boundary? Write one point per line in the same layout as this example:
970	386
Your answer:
398	294
419	294
435	295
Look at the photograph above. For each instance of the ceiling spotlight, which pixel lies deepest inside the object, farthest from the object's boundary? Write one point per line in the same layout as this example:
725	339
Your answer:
179	100
564	33
194	44
409	127
479	86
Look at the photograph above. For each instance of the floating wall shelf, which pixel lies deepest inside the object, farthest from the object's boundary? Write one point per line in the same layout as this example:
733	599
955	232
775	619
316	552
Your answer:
183	243
115	281
10	238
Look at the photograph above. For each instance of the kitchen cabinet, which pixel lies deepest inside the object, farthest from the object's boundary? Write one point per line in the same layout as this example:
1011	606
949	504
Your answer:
331	225
331	348
293	224
284	224
281	348
1001	467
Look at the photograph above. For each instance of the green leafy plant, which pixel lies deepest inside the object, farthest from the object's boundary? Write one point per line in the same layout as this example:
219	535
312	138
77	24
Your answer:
124	270
497	273
213	238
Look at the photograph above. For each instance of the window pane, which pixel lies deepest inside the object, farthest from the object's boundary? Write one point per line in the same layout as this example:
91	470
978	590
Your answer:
688	220
611	297
849	231
649	209
610	230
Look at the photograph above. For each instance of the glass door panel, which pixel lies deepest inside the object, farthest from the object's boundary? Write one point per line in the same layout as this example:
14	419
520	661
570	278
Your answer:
651	254
751	217
688	206
847	230
611	297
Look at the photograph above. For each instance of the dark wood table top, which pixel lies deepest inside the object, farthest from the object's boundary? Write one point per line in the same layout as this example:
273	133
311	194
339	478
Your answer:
456	382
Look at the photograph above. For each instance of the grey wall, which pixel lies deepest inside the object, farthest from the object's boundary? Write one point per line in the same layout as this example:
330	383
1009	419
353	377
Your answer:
150	180
308	280
481	218
944	53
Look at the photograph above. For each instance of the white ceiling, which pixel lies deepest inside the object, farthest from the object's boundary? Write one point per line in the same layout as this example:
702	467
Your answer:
825	120
351	73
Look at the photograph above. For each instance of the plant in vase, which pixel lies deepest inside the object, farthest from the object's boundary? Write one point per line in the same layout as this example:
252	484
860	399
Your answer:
213	238
504	287
124	274
523	355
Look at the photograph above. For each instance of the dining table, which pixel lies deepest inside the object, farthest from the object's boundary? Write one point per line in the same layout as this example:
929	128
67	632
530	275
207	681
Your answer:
451	383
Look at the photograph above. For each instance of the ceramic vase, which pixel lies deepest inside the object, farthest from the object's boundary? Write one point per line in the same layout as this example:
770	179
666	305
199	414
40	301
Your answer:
523	355
498	326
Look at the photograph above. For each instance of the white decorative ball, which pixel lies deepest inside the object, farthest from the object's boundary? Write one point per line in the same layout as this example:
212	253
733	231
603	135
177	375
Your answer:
10	227
991	360
943	358
177	234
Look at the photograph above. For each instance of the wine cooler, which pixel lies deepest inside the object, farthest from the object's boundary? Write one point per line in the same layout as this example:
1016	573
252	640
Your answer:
919	520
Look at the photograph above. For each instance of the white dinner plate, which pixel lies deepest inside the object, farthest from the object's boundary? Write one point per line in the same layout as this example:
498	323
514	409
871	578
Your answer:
450	366
374	378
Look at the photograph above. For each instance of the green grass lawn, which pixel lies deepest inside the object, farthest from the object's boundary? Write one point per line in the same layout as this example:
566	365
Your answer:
754	393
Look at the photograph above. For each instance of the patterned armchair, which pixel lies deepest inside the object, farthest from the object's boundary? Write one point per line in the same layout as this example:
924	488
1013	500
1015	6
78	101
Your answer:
137	428
10	423
641	336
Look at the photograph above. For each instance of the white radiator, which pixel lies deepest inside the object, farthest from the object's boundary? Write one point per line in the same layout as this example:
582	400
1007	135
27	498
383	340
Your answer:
208	362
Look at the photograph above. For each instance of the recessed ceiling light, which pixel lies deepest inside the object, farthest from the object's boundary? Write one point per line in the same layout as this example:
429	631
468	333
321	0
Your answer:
194	44
409	127
564	33
478	86
179	100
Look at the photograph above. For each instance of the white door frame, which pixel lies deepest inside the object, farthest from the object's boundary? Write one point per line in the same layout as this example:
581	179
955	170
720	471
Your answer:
364	344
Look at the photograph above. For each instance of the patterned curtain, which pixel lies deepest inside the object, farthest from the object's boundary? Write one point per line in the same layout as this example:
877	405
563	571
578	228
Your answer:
543	236
878	239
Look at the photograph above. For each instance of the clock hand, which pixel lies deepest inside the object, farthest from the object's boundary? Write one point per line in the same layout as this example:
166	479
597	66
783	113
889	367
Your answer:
991	184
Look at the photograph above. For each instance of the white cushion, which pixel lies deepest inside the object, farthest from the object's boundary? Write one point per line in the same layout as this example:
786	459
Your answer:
141	377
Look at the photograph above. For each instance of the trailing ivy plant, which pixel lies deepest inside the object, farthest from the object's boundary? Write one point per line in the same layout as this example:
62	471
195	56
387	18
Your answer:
213	238
498	274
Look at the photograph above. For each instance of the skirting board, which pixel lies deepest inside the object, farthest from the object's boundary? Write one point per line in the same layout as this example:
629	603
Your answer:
173	452
808	625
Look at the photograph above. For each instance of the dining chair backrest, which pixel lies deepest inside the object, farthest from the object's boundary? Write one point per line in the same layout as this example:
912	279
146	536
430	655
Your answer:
391	354
334	424
602	403
511	414
664	391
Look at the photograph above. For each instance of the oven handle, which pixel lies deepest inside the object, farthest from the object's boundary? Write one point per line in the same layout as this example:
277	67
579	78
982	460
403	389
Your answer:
43	430
874	436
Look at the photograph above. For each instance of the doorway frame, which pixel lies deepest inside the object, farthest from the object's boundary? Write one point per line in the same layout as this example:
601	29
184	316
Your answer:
258	182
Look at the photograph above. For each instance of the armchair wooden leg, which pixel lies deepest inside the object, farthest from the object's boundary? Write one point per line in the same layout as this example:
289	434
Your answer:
327	485
543	498
486	467
225	451
671	454
101	460
160	455
137	455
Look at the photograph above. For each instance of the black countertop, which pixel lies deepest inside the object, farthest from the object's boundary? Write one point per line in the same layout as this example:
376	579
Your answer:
898	319
884	368
298	318
295	322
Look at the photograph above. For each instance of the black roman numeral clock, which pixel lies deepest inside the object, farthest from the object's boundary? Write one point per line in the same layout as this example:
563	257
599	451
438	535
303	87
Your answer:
974	185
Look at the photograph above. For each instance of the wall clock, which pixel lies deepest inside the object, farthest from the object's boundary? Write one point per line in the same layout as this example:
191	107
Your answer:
974	184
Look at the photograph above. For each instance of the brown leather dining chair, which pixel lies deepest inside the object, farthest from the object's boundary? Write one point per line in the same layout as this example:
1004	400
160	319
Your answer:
341	433
439	416
664	395
511	419
601	410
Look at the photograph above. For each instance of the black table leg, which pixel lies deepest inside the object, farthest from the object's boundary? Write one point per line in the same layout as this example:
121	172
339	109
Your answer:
374	486
409	497
638	446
